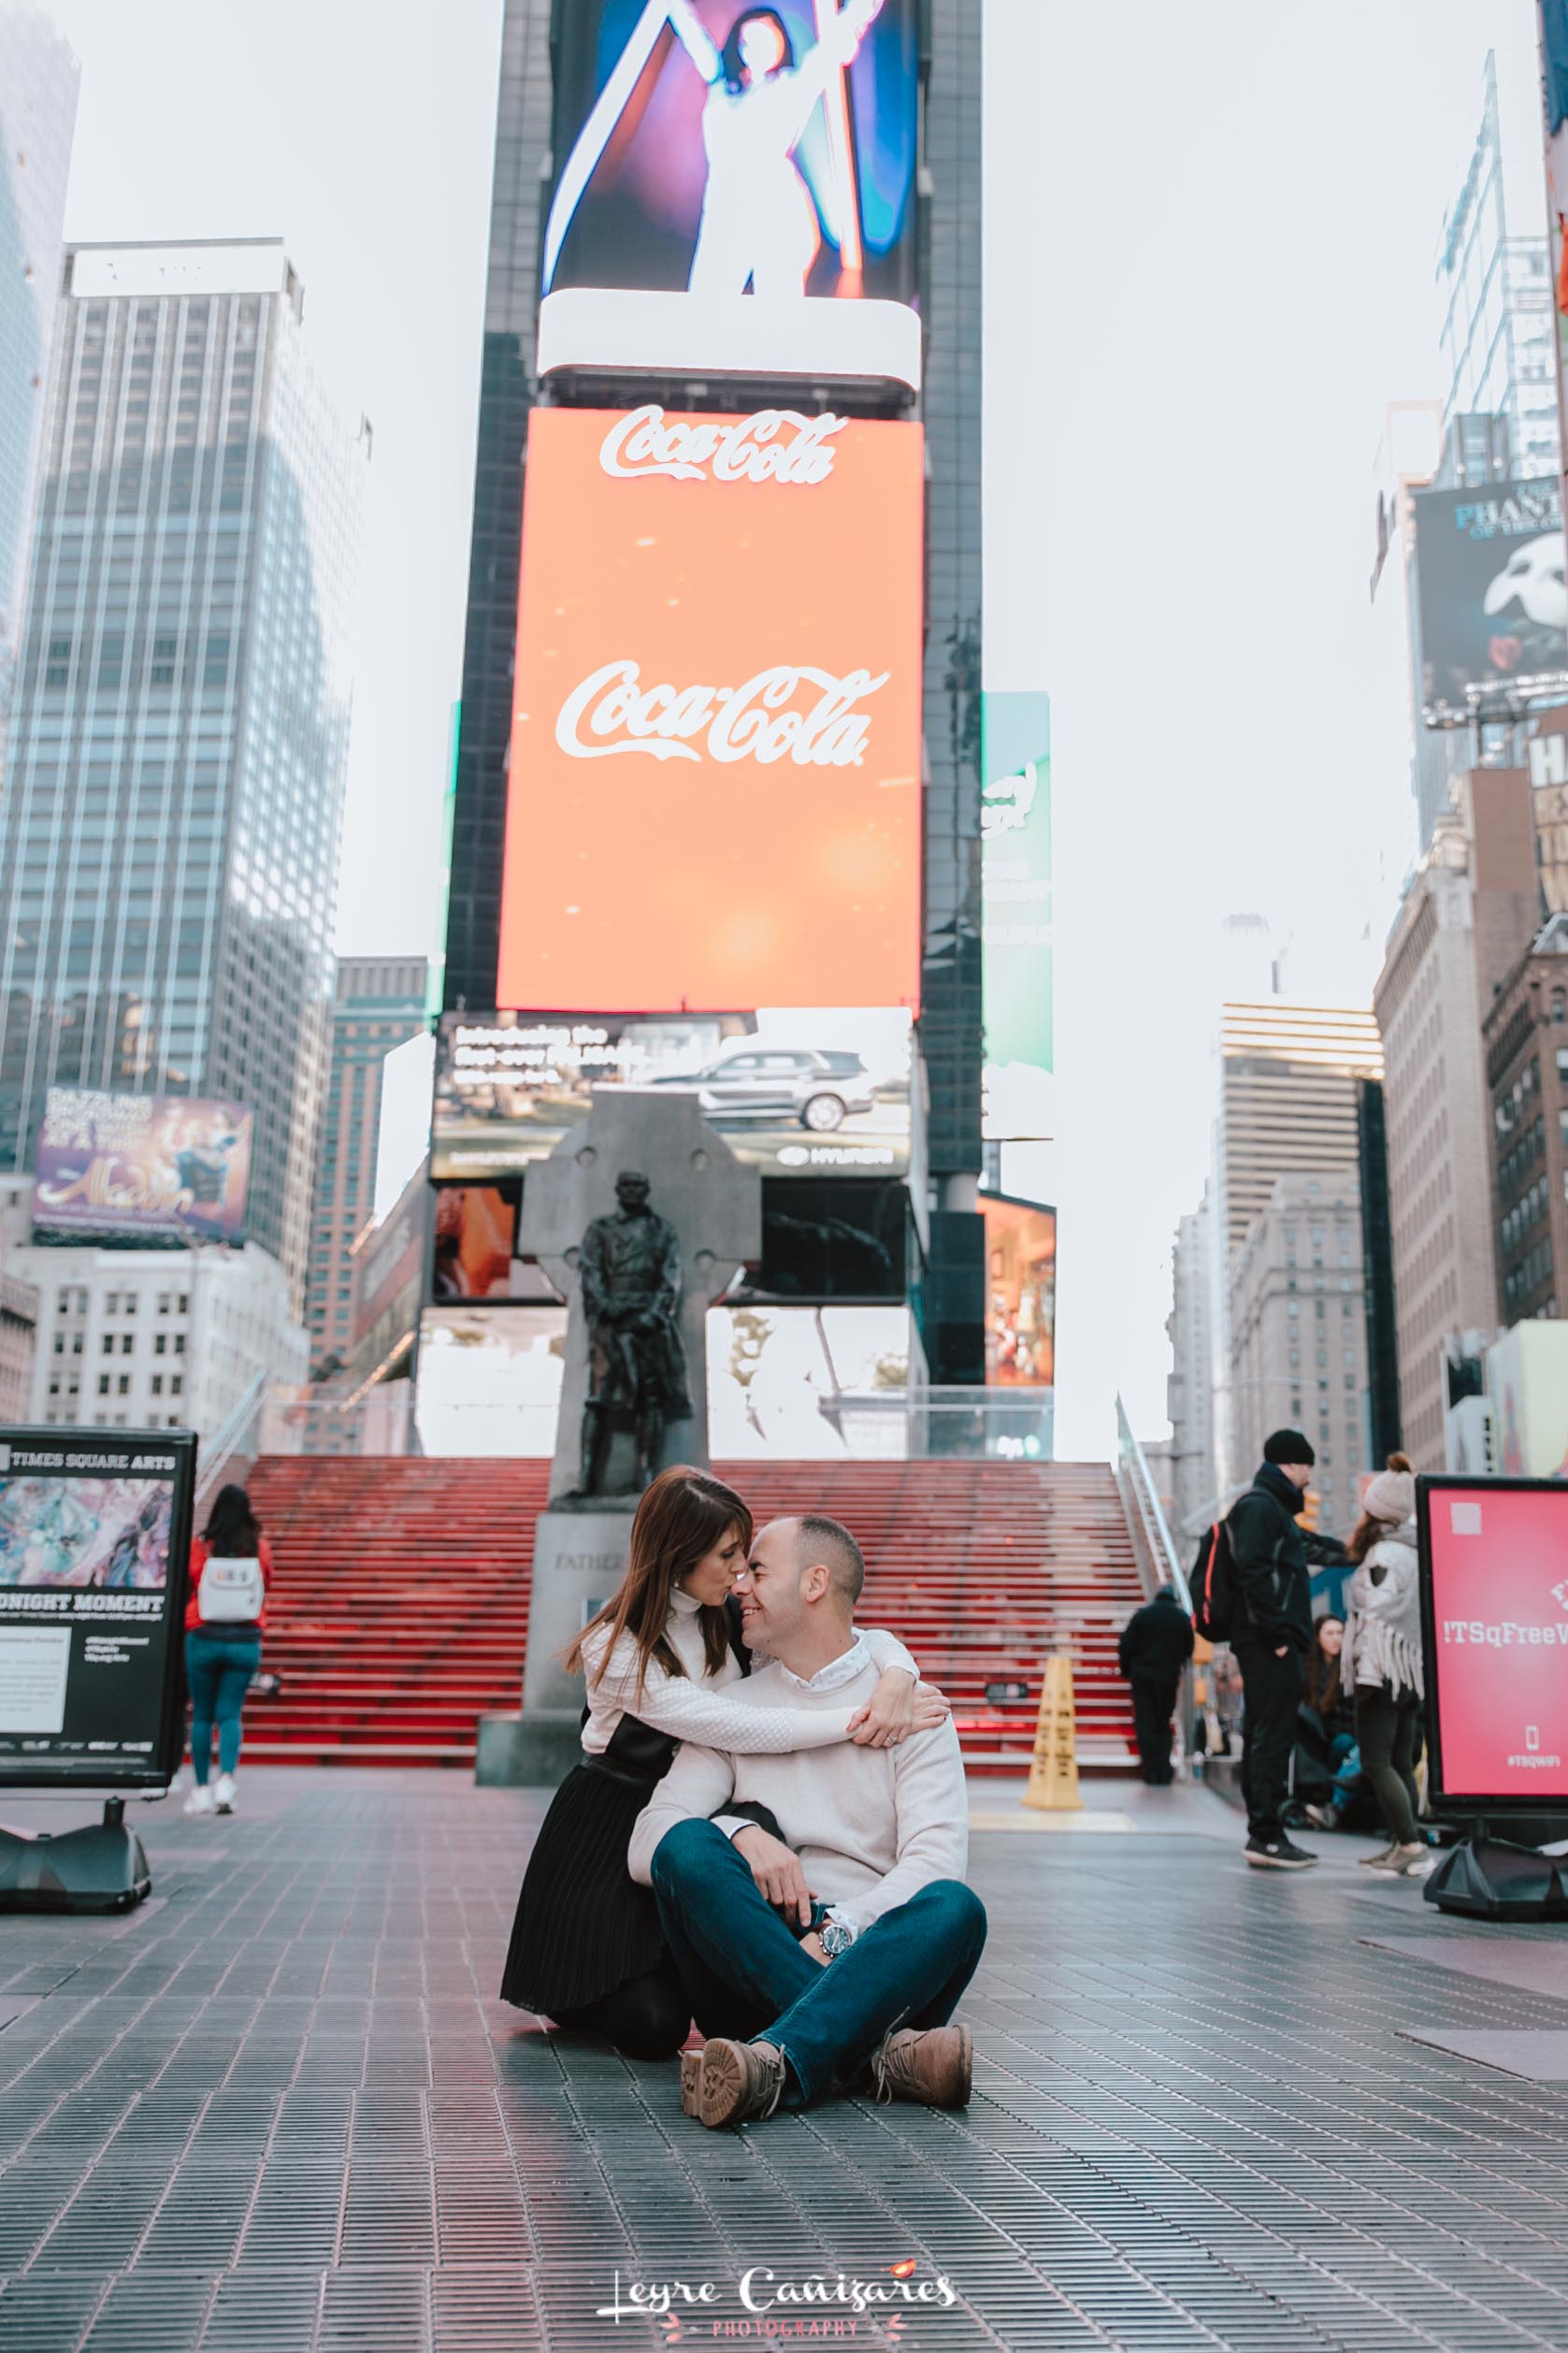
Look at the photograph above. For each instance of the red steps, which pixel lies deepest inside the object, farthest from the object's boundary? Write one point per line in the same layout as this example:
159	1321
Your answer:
400	1602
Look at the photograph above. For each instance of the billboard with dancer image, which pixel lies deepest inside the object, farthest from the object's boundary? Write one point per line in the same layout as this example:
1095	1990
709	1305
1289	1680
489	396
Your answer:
736	188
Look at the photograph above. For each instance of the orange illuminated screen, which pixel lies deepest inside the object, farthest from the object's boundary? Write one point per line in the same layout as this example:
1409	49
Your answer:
715	771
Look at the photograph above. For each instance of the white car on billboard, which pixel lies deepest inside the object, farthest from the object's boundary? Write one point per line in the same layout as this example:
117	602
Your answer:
772	1083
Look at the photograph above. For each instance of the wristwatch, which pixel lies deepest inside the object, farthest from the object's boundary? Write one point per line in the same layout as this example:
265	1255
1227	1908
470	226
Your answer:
836	1937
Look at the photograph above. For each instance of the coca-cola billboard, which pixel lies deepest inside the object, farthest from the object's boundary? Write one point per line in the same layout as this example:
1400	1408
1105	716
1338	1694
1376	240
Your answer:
715	771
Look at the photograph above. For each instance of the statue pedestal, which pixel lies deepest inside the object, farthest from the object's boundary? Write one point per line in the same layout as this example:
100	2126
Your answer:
580	1557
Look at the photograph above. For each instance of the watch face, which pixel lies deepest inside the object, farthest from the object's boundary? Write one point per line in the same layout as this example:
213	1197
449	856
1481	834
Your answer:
836	1939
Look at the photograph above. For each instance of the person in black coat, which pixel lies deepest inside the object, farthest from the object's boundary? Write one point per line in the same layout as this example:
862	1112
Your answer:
1156	1644
1270	1635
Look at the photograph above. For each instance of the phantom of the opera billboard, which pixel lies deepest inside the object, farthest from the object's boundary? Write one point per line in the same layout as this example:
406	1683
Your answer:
715	778
800	1093
142	1168
94	1536
1490	594
736	190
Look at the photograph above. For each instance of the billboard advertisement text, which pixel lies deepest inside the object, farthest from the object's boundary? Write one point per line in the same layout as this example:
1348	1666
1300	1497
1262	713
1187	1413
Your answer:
95	1534
715	794
1495	1557
737	189
142	1168
1492	605
806	1092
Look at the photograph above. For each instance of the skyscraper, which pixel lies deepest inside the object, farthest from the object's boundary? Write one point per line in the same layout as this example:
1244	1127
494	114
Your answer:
378	1001
1287	1108
38	78
1190	1391
169	837
1494	283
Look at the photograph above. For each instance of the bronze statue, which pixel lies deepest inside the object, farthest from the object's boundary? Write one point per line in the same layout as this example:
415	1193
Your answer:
629	1271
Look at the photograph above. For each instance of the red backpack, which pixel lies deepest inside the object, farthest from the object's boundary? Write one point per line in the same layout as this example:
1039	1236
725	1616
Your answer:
1214	1584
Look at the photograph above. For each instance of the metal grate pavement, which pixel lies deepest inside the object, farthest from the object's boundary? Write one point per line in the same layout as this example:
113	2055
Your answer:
282	2110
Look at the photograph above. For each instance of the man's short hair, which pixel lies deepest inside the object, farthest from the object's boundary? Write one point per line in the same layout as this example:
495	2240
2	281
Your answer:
830	1542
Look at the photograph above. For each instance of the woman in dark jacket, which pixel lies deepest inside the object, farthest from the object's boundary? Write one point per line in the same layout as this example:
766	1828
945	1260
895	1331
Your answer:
664	1664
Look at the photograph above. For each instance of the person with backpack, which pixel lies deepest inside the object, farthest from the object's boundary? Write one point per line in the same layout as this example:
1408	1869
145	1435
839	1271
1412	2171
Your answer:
1156	1644
1270	1634
231	1568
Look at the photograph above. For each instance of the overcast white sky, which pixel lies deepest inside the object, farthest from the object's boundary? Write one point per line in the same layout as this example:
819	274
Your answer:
1211	231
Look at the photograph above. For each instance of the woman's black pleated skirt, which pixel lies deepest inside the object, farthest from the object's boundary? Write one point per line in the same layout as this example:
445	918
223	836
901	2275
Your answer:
583	1926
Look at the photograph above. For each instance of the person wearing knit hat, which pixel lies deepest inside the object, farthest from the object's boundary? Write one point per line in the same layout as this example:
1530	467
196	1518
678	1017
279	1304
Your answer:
1382	1659
1271	1637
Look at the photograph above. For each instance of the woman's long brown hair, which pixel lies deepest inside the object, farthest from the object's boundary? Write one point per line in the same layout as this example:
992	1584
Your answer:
682	1516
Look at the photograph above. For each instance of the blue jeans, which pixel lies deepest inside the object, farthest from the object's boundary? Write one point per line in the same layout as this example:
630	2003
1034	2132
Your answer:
219	1673
749	1979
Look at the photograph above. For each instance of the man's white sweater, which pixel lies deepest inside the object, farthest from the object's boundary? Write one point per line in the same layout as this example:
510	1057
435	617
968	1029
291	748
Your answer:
873	1826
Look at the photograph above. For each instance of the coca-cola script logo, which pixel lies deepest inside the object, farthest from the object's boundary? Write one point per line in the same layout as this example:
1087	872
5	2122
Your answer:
774	445
805	715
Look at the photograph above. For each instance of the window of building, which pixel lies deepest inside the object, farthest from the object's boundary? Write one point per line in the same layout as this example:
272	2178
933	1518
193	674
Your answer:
127	1343
163	1303
108	1344
176	1384
160	1343
103	1384
111	1303
157	1384
124	1384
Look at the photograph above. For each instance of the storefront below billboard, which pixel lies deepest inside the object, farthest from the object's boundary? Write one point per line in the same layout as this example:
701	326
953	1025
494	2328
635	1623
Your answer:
794	1093
143	1169
1020	1293
737	191
490	1380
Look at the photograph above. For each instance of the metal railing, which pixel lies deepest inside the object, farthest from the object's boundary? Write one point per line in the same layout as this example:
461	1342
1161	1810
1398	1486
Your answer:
1158	1562
1013	1425
236	1436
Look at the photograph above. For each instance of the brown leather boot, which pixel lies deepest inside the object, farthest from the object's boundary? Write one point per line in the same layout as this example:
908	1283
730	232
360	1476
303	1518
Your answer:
738	2080
936	2067
691	2083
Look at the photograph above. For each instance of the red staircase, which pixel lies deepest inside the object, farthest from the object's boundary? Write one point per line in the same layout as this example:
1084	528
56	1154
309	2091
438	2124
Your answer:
400	1606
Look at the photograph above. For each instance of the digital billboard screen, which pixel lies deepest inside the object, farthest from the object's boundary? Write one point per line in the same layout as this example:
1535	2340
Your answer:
142	1168
736	191
1017	934
1490	594
716	779
806	1092
1020	1293
1494	1594
95	1540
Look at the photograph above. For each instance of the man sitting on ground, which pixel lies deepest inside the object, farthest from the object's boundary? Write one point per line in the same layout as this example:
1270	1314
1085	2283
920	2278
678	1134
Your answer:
797	1996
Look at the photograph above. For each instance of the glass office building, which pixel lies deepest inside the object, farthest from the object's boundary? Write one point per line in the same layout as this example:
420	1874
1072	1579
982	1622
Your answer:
169	834
38	78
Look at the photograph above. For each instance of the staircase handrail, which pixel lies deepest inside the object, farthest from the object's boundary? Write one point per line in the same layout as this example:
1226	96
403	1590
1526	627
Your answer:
1151	1512
223	1444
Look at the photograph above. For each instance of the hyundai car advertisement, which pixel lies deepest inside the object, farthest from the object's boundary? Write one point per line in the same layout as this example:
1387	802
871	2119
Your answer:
794	1093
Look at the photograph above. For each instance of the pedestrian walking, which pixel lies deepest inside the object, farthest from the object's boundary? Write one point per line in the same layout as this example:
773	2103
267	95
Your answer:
231	1568
1382	1658
1271	1638
1156	1644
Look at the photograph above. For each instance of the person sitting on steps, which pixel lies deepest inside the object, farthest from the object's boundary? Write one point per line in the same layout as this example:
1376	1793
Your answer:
853	1971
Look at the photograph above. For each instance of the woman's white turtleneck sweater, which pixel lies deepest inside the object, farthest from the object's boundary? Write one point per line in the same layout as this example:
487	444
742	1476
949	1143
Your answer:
710	1708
